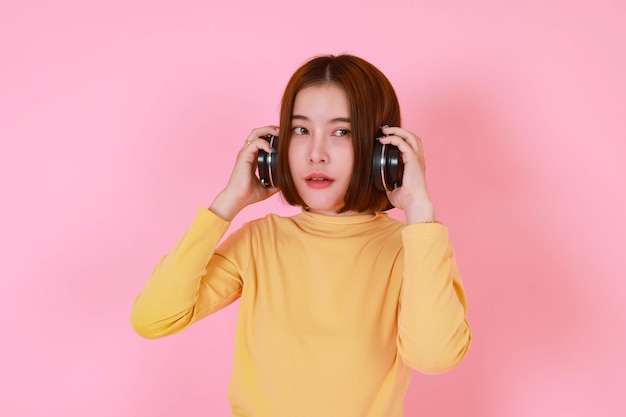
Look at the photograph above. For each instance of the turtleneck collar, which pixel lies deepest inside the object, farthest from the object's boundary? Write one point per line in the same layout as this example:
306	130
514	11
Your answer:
346	219
337	226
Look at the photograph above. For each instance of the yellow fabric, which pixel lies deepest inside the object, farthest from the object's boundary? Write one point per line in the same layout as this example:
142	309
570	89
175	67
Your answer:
334	311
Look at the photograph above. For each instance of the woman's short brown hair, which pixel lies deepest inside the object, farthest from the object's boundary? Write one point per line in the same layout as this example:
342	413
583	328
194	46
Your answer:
373	103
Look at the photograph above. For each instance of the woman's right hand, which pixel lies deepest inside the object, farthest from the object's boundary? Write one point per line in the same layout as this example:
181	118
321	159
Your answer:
243	187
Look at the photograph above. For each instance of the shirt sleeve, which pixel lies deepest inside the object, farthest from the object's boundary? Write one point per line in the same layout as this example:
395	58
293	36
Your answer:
433	331
189	283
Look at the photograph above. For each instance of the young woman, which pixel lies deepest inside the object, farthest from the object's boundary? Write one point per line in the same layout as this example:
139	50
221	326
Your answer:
339	302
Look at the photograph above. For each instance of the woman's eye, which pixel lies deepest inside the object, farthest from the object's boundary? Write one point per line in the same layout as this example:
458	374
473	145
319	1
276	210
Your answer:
341	132
300	130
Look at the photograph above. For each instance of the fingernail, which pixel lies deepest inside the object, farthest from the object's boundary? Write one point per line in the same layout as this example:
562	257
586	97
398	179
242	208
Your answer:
273	149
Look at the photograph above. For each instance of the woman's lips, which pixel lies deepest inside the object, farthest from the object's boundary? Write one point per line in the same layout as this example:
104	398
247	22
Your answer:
318	181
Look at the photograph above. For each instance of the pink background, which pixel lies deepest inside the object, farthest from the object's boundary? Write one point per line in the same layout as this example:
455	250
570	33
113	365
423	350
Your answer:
119	118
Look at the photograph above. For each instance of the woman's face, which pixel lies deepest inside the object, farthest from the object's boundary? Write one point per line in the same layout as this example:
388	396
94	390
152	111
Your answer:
321	156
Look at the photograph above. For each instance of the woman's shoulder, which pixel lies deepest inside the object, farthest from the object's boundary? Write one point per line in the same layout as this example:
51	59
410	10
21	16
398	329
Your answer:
270	221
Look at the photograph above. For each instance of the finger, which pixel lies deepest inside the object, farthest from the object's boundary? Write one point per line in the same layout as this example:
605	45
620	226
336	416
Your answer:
409	152
260	137
256	144
262	132
406	136
404	145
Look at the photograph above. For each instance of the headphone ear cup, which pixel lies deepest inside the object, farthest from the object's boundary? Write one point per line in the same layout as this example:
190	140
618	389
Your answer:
378	165
268	163
395	167
388	166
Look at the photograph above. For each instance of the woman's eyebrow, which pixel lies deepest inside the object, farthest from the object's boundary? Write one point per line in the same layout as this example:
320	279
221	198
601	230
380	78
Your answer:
336	119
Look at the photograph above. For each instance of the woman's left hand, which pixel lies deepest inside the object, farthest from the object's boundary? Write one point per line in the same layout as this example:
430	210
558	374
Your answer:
412	197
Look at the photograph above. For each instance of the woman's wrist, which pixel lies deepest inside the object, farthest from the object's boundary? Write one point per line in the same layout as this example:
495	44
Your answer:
421	213
225	207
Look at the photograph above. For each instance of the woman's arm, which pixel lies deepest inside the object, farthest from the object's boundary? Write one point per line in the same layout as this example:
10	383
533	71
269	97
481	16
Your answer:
187	285
191	282
433	331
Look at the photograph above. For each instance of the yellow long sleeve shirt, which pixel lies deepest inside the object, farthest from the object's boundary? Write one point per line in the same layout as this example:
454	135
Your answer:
333	312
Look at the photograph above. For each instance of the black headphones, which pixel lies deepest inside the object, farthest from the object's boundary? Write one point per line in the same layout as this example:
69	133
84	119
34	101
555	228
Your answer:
268	163
387	165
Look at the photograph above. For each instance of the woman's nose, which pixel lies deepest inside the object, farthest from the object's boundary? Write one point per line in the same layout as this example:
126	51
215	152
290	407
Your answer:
318	153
